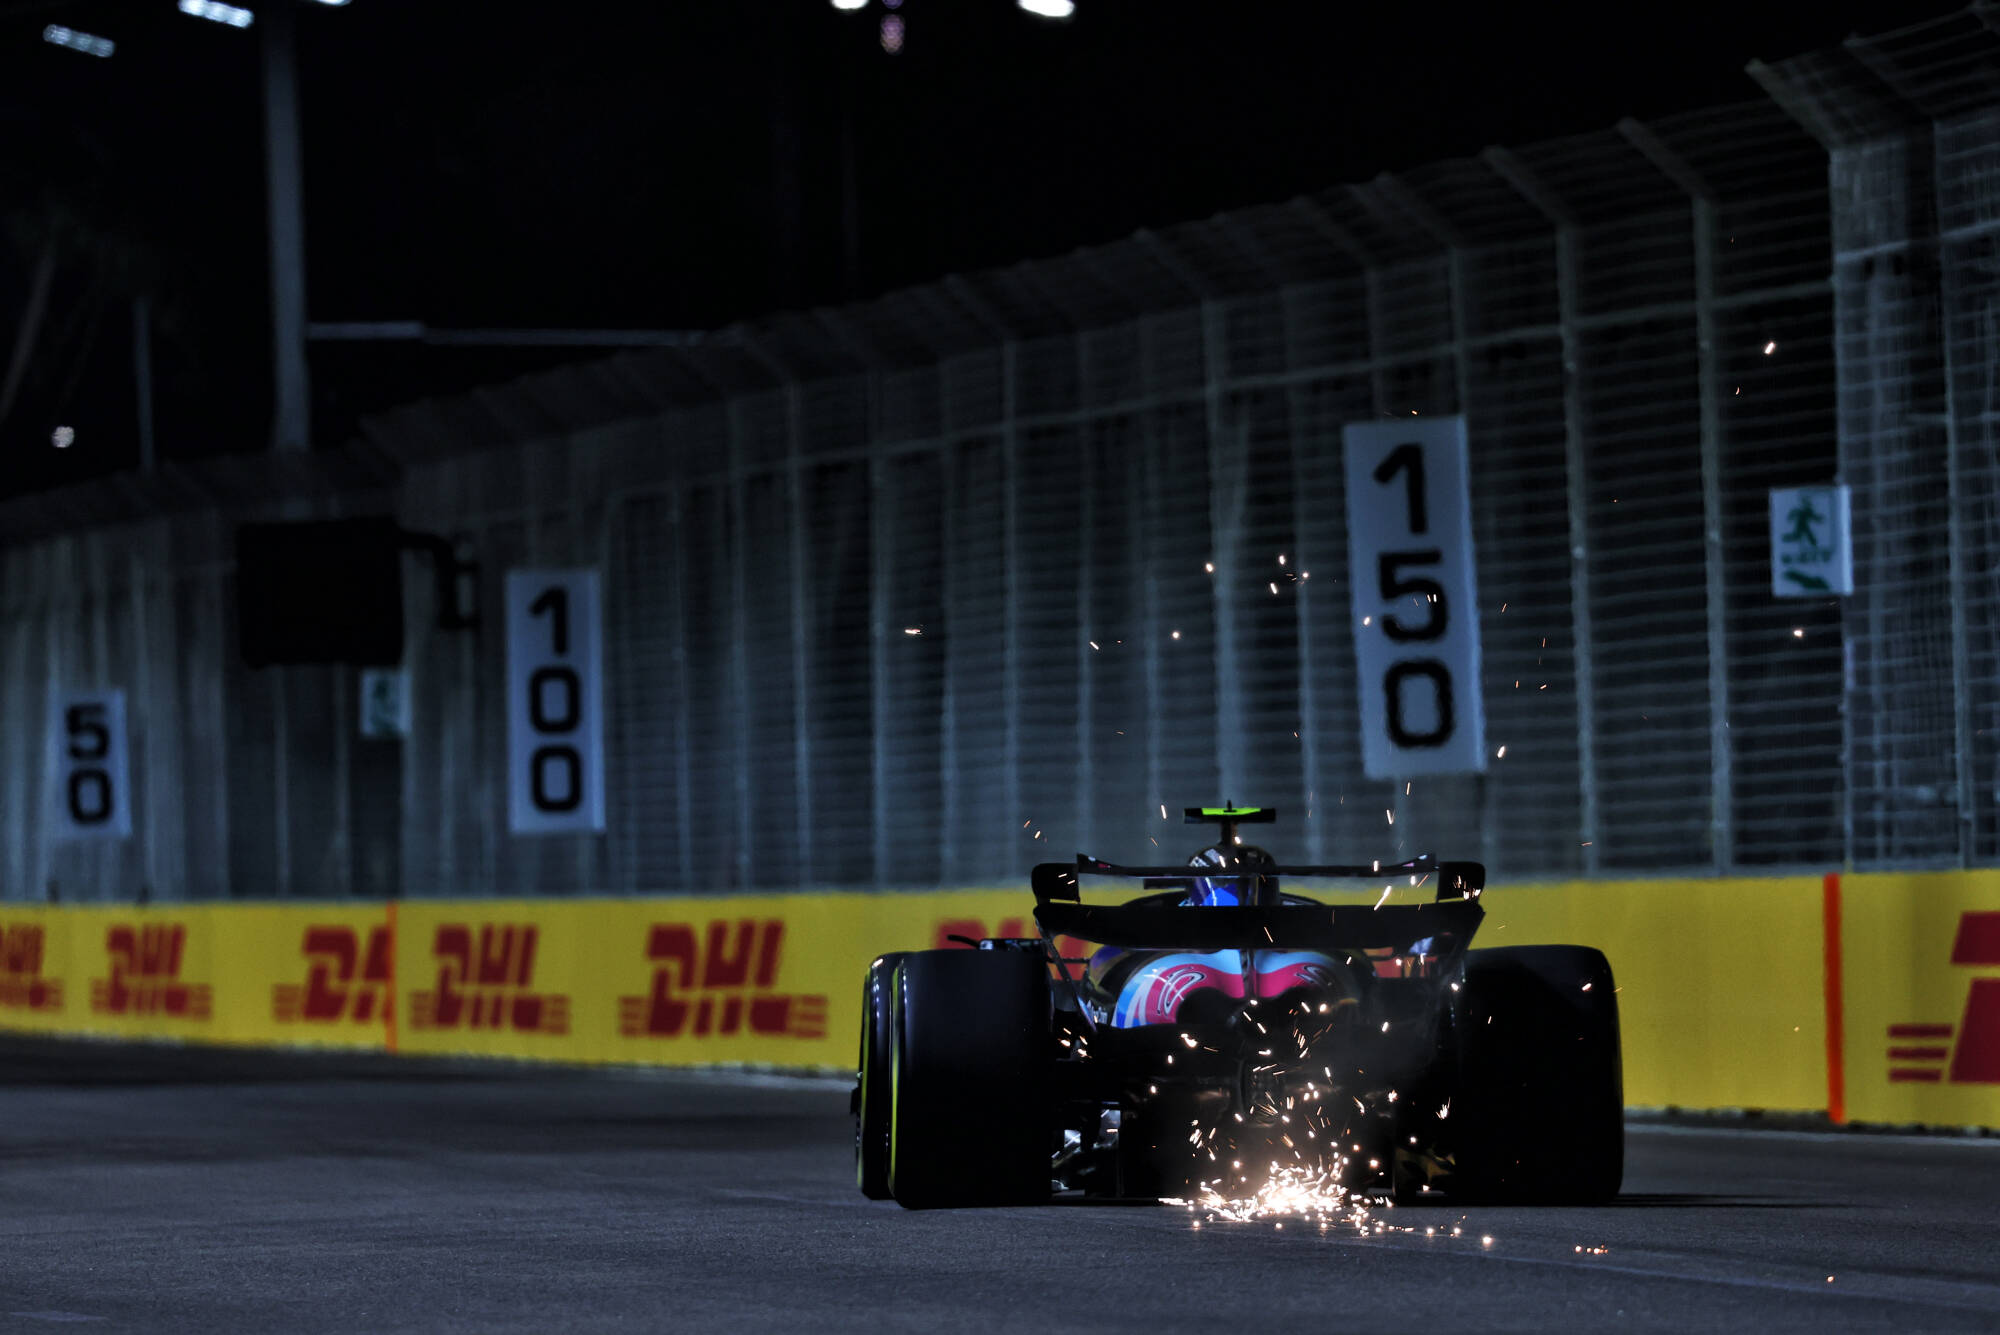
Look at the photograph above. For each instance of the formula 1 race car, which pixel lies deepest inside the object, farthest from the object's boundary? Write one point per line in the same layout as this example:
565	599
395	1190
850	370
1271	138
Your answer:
1221	1036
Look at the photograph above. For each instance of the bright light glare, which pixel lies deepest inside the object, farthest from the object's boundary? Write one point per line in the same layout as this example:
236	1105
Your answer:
216	12
57	35
850	4
63	437
1049	9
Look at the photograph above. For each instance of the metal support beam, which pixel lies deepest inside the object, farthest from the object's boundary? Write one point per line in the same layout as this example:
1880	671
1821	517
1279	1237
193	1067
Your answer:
291	404
1310	763
799	572
1575	461
1086	615
1155	549
951	797
1721	749
880	530
1227	499
1010	367
1485	790
684	697
1950	300
743	826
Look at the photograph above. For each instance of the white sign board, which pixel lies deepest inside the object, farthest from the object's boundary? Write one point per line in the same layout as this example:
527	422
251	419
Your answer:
1415	603
385	702
89	796
1812	552
555	703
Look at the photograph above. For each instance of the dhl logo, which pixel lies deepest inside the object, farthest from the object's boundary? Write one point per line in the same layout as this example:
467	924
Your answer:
22	986
482	982
1925	1053
343	981
718	982
145	975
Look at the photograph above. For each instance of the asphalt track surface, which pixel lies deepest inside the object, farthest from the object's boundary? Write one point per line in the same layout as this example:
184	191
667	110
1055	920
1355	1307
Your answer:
180	1190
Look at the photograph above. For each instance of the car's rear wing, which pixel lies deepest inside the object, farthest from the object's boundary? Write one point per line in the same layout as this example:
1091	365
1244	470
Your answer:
1061	882
1449	920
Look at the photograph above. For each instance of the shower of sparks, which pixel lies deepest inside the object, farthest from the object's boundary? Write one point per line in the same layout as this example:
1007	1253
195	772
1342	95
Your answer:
1303	1196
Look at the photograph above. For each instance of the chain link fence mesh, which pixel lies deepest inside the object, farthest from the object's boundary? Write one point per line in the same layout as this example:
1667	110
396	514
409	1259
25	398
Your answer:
920	592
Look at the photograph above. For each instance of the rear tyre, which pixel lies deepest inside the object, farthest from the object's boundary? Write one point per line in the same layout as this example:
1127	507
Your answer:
969	1119
1540	1111
871	1095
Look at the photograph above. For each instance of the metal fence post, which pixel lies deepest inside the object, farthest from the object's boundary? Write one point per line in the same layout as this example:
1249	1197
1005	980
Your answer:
1575	453
1086	613
739	650
1011	543
1152	485
879	529
683	705
1721	753
1461	343
1225	509
950	797
799	573
1958	558
1309	693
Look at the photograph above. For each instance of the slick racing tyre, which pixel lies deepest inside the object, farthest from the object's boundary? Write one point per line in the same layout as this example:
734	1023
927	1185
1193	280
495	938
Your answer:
1539	1112
969	1075
871	1094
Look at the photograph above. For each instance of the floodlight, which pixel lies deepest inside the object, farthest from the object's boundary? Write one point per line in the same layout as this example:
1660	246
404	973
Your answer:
1049	9
217	12
850	4
57	35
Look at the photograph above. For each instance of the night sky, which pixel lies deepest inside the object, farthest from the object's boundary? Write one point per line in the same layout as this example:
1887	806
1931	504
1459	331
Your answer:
677	165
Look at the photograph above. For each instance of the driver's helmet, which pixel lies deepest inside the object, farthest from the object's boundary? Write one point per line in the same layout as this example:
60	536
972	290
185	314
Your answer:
1218	893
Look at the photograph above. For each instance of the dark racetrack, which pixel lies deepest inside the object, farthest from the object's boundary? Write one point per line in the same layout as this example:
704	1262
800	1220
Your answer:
164	1189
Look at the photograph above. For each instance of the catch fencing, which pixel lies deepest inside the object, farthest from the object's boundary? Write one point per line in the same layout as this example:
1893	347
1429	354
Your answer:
920	591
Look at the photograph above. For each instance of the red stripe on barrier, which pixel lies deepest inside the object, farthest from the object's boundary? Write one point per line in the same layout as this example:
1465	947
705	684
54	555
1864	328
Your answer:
1901	1075
1920	1031
1919	1054
1836	1037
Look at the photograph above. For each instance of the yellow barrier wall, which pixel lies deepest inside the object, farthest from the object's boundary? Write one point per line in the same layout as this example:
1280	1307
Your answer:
1720	983
1786	994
